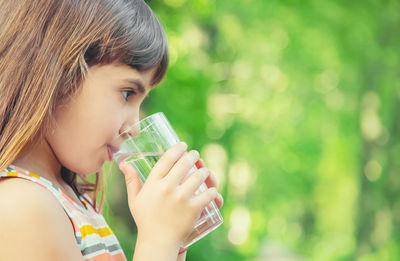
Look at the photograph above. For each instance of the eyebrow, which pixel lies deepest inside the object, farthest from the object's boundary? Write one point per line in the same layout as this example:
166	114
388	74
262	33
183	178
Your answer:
138	83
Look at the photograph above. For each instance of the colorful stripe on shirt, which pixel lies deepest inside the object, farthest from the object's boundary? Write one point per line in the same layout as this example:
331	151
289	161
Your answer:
94	237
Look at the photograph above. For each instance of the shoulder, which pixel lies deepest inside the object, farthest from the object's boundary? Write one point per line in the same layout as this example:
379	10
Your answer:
28	198
33	223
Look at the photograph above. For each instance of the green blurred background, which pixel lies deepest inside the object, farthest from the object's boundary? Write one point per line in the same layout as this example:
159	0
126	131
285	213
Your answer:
294	105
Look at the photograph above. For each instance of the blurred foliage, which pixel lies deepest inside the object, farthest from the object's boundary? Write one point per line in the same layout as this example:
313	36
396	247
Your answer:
294	105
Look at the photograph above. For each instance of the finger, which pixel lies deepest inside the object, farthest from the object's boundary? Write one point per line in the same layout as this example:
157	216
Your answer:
193	182
204	198
200	164
167	161
182	167
211	180
219	200
132	181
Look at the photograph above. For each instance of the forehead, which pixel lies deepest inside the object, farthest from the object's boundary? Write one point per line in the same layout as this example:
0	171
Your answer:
124	74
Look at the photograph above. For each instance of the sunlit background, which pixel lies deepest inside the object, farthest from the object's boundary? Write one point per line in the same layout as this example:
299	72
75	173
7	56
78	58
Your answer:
294	105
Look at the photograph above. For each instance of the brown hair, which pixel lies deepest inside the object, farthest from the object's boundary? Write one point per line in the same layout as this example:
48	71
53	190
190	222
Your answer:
46	48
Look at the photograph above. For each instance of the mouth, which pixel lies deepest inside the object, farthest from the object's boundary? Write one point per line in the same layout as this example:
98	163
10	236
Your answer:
111	150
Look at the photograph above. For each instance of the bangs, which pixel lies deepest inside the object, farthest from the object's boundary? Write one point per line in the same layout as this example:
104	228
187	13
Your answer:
136	39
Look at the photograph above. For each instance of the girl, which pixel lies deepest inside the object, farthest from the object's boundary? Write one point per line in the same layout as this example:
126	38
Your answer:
73	74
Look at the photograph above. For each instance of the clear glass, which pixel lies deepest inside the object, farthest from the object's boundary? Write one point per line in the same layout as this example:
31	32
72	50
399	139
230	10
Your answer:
143	145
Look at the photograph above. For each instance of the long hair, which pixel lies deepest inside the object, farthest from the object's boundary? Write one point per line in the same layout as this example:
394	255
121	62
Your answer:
46	49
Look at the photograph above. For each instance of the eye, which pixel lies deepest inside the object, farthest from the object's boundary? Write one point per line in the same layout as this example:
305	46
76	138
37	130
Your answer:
127	93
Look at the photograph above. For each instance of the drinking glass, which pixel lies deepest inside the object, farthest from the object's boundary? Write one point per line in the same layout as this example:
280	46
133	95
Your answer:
142	146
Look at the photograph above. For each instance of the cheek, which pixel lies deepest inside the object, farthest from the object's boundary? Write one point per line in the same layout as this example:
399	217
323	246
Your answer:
106	123
98	119
108	128
79	140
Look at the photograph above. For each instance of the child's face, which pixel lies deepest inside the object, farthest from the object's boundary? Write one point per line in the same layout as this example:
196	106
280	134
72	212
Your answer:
86	126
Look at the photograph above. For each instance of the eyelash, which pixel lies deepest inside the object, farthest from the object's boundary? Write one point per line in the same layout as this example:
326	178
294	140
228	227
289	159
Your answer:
128	93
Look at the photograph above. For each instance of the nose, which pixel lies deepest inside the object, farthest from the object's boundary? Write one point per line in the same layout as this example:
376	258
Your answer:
130	128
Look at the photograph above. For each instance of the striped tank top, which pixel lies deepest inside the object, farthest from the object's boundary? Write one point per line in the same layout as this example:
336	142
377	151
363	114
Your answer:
96	240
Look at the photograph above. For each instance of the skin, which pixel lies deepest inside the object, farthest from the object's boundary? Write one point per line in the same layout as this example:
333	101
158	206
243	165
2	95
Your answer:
107	103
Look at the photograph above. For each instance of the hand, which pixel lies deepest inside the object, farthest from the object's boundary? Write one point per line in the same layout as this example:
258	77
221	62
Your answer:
211	181
164	208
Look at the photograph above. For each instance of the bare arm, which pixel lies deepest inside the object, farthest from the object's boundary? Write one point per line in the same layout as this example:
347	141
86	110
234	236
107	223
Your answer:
143	251
155	251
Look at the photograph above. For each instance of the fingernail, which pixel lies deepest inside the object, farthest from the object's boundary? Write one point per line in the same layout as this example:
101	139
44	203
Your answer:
204	173
184	145
196	153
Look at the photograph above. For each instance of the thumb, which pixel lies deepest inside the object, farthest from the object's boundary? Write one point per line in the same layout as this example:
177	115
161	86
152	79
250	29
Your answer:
133	183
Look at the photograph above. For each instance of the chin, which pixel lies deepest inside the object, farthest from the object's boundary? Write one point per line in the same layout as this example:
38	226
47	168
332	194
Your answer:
88	169
84	165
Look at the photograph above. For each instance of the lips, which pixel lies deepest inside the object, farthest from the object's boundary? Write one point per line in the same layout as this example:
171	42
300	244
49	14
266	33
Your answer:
111	150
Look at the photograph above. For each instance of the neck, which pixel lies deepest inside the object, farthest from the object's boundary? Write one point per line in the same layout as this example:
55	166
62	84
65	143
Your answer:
42	161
